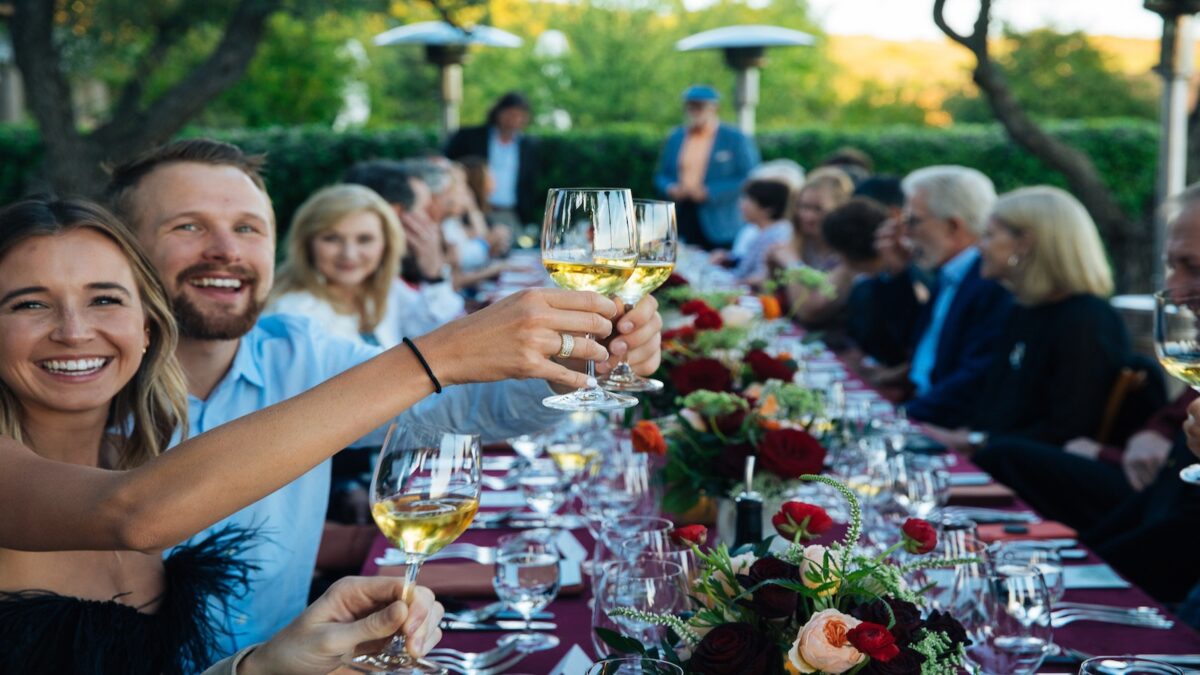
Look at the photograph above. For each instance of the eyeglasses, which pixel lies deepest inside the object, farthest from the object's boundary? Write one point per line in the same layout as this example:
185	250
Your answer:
912	220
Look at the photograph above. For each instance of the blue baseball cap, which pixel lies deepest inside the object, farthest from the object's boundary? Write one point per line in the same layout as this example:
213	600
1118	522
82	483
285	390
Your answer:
701	93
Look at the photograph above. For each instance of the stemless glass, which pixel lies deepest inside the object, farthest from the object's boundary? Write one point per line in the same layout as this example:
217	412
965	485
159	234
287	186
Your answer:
590	243
1177	344
1126	665
634	665
1009	625
526	579
424	495
657	240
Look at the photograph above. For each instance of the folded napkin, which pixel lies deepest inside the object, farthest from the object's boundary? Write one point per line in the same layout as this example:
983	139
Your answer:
576	662
992	494
1092	576
1047	529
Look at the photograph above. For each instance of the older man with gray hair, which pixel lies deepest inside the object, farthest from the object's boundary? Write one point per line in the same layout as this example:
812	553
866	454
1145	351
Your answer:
959	328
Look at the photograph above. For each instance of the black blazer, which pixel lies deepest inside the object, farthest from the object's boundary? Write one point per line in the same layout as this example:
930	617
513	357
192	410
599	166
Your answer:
473	141
970	340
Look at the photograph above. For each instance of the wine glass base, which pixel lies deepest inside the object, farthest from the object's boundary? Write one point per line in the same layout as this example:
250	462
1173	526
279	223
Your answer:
535	642
635	383
588	400
1190	474
394	665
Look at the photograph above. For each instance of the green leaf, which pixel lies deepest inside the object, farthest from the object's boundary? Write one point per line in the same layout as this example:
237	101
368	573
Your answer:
621	643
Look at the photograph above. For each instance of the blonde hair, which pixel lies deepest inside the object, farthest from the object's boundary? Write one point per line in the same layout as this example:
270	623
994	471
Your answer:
833	182
146	412
319	214
1066	256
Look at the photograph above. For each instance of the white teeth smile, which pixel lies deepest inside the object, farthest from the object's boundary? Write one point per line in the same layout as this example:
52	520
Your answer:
217	282
74	366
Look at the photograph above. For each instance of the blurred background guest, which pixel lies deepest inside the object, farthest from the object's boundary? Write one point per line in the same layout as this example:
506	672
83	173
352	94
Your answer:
823	191
883	189
764	204
512	158
856	164
701	169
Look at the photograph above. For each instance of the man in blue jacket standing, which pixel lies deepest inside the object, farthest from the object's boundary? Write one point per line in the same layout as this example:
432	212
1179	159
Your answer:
701	169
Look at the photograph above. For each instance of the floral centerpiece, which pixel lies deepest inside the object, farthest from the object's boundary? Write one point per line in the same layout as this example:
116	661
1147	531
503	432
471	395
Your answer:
807	608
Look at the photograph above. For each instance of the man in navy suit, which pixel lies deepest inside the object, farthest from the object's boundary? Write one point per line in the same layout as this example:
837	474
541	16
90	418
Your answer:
701	169
959	328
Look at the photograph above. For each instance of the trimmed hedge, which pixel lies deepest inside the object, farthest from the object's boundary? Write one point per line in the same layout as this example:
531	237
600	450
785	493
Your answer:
303	159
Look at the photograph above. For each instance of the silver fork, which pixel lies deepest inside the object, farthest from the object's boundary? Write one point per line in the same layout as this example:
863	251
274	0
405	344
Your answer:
505	646
1061	618
494	669
1135	611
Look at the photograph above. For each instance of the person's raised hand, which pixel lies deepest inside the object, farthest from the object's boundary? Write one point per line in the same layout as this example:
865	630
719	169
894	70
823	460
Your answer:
517	338
1144	456
356	615
638	338
423	238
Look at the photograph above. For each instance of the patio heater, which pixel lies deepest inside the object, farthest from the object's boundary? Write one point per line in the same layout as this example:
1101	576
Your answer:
446	47
745	52
1175	68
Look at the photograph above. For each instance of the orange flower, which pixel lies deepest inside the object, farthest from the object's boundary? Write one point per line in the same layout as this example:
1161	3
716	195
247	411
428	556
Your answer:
771	308
769	424
769	405
648	438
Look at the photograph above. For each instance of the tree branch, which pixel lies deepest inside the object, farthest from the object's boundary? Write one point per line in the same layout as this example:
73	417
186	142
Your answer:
40	62
167	36
226	64
939	18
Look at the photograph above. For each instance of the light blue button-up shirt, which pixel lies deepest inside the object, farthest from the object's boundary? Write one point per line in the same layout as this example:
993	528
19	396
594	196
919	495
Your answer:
949	277
503	161
283	356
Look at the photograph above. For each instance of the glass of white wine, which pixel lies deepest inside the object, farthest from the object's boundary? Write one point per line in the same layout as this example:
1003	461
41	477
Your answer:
658	238
1177	344
424	495
590	243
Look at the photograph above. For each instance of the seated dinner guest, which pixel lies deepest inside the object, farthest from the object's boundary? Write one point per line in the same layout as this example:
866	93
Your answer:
1063	344
91	393
201	211
344	250
765	204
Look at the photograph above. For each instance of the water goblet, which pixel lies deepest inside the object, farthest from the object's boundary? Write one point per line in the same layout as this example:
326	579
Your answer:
526	578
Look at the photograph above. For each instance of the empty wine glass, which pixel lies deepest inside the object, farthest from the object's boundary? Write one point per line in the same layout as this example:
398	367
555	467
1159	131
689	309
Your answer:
657	240
529	446
1126	665
590	243
1009	623
526	578
1045	559
620	482
634	665
619	530
545	488
646	585
424	494
1177	344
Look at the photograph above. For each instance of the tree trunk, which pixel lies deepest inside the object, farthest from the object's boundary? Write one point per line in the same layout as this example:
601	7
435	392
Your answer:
74	162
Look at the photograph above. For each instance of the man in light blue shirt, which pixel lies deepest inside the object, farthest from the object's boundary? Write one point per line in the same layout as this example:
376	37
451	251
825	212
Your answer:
201	211
948	279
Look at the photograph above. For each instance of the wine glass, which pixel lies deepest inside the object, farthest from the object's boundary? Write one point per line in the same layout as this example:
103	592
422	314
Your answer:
657	240
1126	665
526	579
545	488
1009	624
1046	560
590	243
634	665
424	494
648	585
1177	344
616	488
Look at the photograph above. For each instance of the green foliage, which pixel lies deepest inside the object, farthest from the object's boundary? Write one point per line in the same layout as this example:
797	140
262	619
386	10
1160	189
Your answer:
1062	76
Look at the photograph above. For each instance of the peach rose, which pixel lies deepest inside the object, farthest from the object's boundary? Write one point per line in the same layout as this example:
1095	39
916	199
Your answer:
822	644
815	556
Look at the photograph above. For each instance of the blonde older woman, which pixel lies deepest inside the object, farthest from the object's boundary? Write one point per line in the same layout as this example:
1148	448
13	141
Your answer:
1063	343
344	250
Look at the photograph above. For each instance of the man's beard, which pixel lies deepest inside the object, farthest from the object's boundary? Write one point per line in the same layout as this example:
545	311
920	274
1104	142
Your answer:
195	325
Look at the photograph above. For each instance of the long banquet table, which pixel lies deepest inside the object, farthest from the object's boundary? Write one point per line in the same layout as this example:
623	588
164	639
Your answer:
573	615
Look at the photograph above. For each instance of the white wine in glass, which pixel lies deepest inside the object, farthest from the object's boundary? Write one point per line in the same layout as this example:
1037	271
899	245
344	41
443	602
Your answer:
1177	344
658	237
424	495
590	243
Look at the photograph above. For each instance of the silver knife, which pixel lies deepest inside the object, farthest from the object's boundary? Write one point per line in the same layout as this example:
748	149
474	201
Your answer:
498	625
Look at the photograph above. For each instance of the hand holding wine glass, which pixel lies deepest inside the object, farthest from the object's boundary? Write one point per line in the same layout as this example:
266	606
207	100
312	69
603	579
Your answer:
424	494
1177	344
589	243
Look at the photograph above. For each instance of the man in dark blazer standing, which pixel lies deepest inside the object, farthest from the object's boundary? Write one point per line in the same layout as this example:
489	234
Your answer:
702	168
512	159
959	329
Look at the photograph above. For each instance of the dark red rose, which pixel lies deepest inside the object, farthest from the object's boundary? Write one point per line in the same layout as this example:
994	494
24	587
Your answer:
790	453
907	662
730	424
696	306
708	320
771	601
683	334
732	460
708	374
919	536
648	438
873	640
907	617
690	535
736	649
766	367
944	623
798	518
673	281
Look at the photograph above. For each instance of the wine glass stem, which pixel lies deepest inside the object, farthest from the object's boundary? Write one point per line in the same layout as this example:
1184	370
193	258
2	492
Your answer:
398	645
591	368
